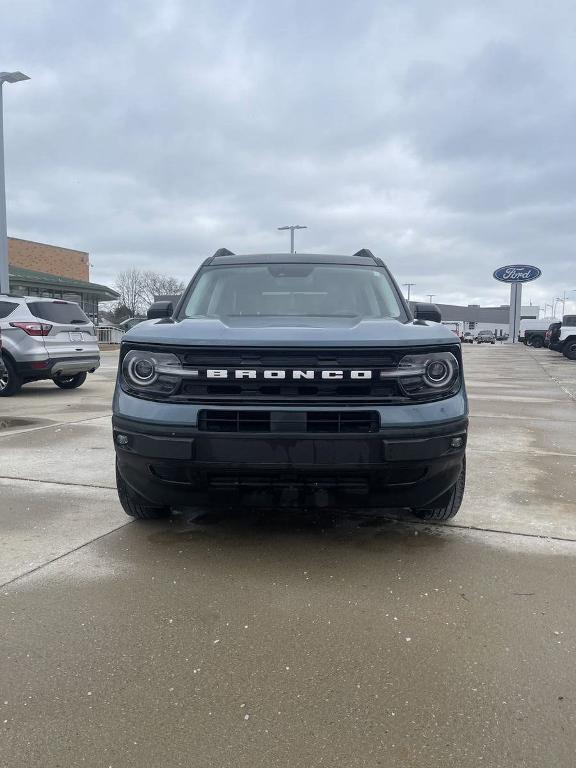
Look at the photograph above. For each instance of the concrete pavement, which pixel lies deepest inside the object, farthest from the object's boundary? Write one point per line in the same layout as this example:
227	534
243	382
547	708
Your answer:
335	640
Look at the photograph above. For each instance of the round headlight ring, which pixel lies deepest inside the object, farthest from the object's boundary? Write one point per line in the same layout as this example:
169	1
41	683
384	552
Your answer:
142	371
438	372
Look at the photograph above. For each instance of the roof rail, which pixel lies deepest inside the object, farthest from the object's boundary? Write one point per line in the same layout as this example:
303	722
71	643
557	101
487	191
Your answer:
366	253
222	252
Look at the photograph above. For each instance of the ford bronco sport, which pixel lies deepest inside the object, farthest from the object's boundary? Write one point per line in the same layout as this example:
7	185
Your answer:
291	379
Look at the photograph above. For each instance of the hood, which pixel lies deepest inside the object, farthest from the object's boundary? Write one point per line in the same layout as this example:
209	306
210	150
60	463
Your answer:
291	332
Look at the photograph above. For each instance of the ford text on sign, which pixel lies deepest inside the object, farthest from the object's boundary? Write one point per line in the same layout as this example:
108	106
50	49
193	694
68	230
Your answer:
517	273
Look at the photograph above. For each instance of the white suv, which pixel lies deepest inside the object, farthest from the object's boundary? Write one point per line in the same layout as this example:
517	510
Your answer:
567	340
45	339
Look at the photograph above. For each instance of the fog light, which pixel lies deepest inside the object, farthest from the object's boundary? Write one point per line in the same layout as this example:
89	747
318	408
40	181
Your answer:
456	442
122	439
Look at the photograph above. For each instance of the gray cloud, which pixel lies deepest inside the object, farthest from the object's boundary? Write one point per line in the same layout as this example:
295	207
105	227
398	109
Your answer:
438	134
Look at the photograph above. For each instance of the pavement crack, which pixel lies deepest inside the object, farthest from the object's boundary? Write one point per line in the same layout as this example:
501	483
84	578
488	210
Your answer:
53	425
62	556
57	482
556	381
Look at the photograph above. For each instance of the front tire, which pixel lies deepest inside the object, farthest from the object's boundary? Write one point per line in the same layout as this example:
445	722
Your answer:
537	342
447	506
570	349
136	506
70	382
10	382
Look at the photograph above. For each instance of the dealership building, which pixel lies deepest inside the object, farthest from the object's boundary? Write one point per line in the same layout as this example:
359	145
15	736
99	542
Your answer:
38	269
475	318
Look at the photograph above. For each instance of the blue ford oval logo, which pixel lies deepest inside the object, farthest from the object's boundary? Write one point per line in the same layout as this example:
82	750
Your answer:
517	273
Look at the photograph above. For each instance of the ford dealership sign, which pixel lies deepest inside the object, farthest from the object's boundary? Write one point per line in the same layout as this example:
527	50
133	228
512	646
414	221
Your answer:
517	273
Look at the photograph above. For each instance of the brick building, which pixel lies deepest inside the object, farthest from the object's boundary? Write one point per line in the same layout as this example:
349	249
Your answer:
38	269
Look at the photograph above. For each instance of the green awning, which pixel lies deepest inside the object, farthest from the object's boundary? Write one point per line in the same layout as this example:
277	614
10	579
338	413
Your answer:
31	279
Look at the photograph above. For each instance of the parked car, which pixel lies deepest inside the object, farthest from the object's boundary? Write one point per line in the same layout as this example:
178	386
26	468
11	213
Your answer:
552	336
297	380
125	325
45	339
567	337
485	337
467	338
533	332
3	371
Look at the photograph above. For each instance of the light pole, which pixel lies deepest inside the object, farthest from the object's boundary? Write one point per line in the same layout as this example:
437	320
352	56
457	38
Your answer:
5	77
563	300
292	227
409	286
430	296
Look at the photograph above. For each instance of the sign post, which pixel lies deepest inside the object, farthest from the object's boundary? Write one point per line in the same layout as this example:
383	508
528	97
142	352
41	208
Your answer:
516	274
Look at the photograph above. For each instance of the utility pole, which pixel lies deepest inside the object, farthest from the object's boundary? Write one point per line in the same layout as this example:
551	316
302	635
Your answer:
430	296
5	77
292	227
563	300
409	286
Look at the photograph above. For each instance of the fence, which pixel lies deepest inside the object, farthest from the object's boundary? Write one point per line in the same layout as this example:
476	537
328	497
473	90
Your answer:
109	334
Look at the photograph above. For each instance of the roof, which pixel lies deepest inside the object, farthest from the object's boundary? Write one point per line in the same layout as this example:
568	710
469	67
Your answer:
295	258
474	313
29	276
48	245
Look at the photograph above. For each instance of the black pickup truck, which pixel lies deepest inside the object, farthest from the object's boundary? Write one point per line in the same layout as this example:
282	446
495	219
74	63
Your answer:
284	379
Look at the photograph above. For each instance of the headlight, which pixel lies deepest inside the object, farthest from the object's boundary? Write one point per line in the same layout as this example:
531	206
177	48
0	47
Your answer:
151	372
429	374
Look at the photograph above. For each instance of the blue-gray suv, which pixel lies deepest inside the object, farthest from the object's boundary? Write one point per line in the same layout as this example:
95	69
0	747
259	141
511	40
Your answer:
285	379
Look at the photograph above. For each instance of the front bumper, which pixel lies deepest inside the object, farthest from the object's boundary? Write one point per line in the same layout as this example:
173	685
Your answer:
399	466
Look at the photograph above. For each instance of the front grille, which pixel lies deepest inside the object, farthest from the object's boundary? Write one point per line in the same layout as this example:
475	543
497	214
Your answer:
313	422
289	391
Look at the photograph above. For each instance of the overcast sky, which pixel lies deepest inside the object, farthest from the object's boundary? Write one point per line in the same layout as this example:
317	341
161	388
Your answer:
441	135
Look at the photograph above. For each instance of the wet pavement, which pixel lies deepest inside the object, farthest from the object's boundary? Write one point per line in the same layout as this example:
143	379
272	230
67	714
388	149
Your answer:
265	640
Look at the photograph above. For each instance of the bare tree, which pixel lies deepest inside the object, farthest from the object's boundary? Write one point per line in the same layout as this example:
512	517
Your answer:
156	284
138	287
130	286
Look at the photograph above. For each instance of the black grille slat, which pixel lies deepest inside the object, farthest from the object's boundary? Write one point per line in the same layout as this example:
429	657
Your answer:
260	390
288	358
314	422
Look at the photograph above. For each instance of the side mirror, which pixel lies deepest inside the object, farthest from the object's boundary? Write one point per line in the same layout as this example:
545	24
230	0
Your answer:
160	309
427	312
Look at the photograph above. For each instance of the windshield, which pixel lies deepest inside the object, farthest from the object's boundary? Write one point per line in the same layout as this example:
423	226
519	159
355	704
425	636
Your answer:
294	290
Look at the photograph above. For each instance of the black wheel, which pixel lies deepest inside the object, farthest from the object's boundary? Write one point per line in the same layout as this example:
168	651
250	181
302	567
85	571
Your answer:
10	382
135	505
570	349
537	342
447	505
70	382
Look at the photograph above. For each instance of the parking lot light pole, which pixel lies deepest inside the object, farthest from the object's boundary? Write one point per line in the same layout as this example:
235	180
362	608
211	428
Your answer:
563	300
292	227
409	286
5	77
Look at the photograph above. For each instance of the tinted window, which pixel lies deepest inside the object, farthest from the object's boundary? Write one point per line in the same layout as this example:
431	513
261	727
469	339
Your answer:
58	312
294	290
569	320
6	308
